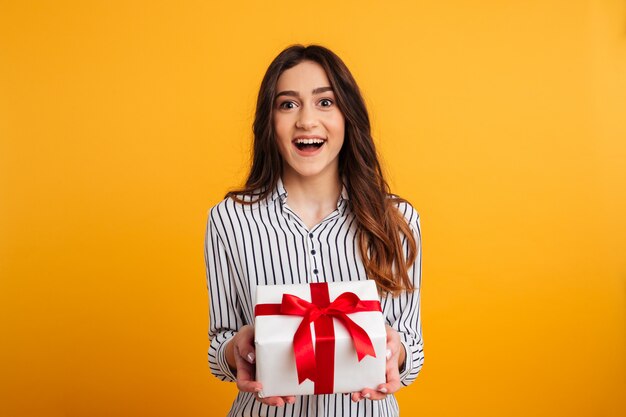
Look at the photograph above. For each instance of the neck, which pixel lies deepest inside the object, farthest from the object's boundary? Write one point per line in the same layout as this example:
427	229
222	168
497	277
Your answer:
316	191
312	198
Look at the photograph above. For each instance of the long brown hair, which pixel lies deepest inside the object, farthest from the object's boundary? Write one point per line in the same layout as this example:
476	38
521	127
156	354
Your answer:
380	223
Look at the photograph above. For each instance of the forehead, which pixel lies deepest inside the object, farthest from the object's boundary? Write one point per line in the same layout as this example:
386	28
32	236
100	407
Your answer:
304	78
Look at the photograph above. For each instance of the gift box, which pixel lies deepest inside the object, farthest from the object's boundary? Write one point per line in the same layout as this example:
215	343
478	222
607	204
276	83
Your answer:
319	338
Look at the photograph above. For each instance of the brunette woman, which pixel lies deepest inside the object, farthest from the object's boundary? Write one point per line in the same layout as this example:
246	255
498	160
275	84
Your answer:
315	207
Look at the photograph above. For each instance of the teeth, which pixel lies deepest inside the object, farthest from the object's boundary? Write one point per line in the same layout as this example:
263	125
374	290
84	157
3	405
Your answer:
309	141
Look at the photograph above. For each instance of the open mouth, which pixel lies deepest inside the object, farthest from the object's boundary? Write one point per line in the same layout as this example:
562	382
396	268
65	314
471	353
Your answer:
309	144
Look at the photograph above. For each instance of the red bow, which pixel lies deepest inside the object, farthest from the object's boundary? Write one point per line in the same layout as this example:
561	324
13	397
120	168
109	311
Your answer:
318	364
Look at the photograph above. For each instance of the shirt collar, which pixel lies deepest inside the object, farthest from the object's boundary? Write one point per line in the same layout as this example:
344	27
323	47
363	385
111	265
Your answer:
344	192
280	192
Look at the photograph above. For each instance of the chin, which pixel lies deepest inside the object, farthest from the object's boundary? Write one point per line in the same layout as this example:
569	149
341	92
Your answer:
305	172
308	173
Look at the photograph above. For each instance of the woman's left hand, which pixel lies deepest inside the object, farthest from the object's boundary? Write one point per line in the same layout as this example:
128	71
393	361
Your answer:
395	357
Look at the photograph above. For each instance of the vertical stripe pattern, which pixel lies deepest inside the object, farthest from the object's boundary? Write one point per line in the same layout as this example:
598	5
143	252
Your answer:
266	243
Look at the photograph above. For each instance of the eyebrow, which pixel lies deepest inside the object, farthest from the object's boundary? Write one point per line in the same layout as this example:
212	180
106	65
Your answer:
292	93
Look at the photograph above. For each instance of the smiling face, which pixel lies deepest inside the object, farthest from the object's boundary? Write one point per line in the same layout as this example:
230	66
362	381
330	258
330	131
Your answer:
309	126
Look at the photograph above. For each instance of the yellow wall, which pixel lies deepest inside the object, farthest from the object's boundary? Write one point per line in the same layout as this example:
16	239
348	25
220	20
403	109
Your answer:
122	122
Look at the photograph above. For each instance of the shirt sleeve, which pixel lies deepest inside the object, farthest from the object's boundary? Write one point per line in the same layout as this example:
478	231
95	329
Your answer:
224	316
405	315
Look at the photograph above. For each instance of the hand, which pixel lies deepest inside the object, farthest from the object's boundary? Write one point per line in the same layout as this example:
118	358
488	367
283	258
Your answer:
395	357
240	357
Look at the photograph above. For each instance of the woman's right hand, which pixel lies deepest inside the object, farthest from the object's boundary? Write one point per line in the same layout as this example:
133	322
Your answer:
240	357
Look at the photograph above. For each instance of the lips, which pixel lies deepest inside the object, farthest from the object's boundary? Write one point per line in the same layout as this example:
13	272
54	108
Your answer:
308	145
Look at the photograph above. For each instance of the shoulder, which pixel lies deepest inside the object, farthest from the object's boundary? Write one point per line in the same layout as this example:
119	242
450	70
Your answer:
409	212
223	218
406	208
226	208
232	210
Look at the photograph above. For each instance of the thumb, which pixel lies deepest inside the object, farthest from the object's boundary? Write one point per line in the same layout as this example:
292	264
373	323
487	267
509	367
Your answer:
249	356
245	346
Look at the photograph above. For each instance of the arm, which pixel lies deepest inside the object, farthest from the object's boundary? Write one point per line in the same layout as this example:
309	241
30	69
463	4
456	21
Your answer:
224	318
405	316
231	351
404	332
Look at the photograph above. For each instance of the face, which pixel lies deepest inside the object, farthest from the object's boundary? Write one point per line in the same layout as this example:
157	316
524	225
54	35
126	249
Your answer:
309	126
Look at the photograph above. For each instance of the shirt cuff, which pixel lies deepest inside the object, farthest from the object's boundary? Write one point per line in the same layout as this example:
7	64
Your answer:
408	361
223	363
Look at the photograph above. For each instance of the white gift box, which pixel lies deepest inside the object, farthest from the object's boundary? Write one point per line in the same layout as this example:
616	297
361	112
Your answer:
274	341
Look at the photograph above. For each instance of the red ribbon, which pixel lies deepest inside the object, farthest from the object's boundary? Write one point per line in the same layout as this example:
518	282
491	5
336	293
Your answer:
318	364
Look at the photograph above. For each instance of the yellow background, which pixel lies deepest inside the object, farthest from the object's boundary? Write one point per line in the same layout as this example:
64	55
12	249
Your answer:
122	122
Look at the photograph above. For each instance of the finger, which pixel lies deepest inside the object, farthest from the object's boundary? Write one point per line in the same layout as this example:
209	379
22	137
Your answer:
393	379
356	397
372	394
388	388
245	375
248	385
289	399
393	347
382	388
245	345
273	401
278	401
393	338
392	350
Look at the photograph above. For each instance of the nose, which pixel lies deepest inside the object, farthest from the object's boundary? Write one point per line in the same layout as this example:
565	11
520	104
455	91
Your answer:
306	119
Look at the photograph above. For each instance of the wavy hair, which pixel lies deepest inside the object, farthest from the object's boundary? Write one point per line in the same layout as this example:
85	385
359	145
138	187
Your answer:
381	226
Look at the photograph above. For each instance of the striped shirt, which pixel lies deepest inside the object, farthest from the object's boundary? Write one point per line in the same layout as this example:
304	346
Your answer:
266	243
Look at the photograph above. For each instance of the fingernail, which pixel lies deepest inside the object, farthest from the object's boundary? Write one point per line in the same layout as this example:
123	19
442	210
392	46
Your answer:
257	389
383	390
366	395
388	354
250	357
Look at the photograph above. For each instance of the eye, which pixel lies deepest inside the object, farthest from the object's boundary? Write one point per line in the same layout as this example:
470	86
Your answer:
286	105
326	102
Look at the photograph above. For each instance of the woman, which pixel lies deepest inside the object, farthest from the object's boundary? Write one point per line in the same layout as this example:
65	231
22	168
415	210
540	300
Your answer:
315	208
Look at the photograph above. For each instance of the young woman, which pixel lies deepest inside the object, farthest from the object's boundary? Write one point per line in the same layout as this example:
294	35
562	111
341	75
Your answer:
315	208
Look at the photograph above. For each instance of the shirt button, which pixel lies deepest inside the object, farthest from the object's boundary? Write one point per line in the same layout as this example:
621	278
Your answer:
311	235
312	251
315	271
